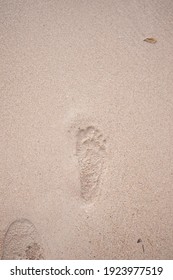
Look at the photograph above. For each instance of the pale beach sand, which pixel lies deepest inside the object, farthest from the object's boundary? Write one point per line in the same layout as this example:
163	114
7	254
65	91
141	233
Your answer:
86	129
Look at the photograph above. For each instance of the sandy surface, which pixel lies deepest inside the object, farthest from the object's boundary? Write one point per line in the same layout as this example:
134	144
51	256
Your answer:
86	129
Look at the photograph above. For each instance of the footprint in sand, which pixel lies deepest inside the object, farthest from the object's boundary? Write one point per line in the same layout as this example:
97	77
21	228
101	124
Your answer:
90	150
21	242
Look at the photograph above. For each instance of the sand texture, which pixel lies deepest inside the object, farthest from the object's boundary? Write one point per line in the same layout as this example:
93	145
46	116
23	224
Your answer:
90	152
86	129
22	242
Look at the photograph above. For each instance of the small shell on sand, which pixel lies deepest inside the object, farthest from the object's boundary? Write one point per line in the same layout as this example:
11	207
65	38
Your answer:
150	40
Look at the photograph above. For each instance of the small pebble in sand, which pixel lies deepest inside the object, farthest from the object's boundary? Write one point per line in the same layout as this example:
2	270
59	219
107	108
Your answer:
139	240
150	40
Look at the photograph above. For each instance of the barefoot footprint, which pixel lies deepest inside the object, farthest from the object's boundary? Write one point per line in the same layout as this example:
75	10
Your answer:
22	242
90	150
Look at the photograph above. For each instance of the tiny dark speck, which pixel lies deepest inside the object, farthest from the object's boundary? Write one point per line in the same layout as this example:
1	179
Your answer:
139	240
143	249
